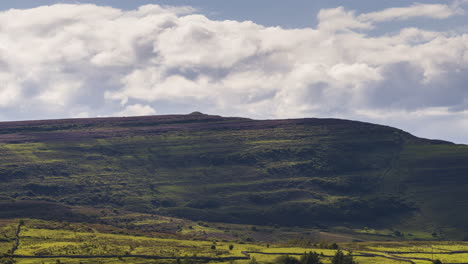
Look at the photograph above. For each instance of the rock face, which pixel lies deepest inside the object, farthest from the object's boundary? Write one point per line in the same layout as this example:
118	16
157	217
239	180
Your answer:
301	172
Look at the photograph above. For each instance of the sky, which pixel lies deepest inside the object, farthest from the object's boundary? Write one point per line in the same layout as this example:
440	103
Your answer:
397	63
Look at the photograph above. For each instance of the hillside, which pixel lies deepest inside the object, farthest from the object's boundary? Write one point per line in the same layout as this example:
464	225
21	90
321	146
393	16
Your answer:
322	173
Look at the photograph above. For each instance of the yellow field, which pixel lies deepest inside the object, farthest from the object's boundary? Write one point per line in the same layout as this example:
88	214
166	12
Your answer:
44	239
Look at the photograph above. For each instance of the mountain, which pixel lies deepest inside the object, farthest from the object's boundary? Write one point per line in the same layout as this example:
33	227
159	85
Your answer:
323	173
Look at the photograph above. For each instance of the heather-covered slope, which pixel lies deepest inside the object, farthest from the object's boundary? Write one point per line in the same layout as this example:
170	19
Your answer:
304	172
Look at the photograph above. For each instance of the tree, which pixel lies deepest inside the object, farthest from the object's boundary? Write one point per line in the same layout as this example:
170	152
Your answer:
338	258
341	258
310	258
437	261
231	247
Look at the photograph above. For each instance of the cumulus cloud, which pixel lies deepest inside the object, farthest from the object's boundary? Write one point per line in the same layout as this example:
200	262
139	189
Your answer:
87	60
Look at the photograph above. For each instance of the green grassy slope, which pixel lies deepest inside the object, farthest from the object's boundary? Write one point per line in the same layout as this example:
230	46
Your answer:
307	172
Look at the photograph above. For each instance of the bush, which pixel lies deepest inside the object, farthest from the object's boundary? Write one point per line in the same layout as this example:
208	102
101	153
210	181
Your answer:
7	260
253	261
398	233
286	260
231	247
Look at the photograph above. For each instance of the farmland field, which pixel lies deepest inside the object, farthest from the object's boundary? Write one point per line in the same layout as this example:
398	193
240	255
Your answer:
63	242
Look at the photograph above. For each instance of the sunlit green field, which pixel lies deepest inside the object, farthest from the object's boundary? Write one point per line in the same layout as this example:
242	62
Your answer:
61	242
7	232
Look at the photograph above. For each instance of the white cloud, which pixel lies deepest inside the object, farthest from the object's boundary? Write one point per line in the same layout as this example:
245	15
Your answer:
86	60
340	19
137	110
436	11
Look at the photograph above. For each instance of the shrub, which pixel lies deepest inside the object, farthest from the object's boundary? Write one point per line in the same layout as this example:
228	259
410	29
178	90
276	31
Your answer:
253	261
7	260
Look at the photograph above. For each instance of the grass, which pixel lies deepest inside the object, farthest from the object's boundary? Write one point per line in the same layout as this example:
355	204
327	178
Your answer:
7	233
51	238
310	173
